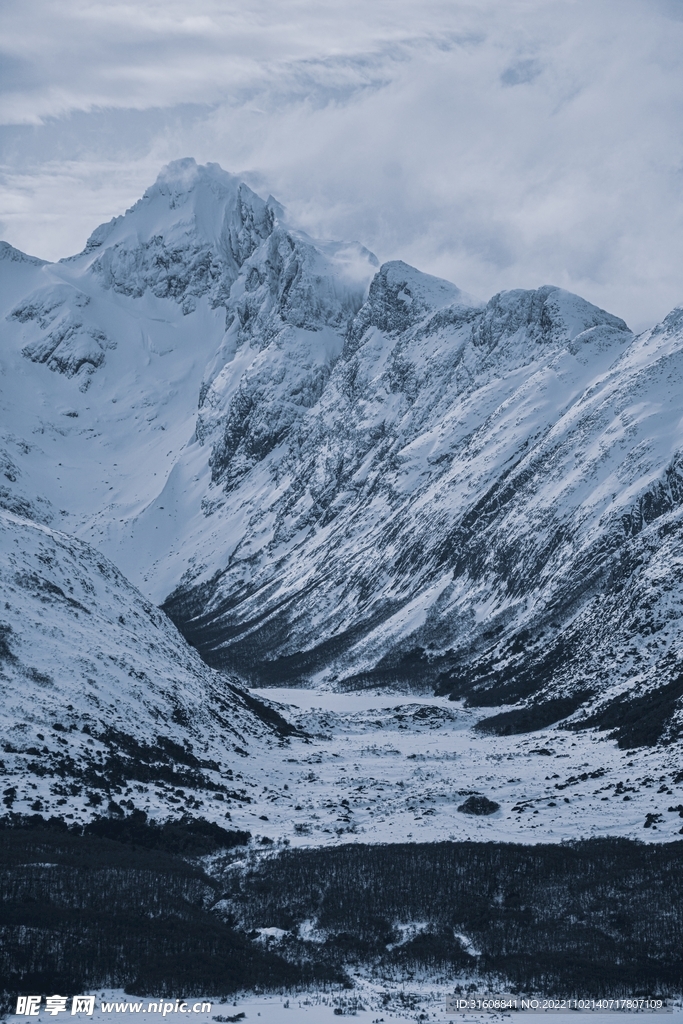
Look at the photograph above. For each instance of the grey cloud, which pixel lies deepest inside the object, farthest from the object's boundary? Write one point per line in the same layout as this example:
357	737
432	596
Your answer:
16	73
401	126
520	73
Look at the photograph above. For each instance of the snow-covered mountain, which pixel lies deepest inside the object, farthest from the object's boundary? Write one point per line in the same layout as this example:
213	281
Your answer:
335	475
105	707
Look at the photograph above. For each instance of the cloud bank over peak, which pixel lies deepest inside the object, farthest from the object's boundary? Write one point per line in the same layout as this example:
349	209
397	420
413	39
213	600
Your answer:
495	144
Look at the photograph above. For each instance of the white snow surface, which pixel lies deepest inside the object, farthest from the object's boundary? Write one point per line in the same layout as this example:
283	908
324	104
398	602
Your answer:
90	670
386	768
321	461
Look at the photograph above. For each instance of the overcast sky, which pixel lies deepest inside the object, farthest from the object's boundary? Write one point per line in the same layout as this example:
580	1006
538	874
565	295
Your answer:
499	143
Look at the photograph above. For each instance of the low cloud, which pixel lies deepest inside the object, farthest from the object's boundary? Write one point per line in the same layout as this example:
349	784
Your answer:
499	144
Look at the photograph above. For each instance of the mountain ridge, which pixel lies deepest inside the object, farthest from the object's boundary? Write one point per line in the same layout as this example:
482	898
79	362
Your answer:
365	476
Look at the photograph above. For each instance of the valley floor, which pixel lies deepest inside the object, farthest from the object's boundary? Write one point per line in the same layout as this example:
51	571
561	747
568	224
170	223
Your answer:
377	767
385	767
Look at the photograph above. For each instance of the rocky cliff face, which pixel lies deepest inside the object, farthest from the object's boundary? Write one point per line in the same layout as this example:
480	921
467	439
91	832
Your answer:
476	501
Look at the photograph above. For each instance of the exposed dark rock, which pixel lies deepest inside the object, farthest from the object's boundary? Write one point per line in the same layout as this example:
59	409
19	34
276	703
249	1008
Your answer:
480	805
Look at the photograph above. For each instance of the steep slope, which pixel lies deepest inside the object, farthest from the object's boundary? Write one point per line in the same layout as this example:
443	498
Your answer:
485	500
105	355
593	518
105	707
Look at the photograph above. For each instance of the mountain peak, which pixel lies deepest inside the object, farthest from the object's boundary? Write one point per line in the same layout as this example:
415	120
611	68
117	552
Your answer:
12	255
188	201
179	179
401	296
545	315
185	172
187	236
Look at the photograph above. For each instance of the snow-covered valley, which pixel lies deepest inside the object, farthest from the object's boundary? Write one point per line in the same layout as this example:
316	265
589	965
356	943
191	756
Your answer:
385	769
106	710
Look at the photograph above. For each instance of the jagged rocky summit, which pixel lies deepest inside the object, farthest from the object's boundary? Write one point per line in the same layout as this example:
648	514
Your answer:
330	473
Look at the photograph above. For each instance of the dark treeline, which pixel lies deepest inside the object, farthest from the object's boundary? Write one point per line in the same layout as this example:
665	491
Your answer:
83	911
600	917
190	837
127	904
